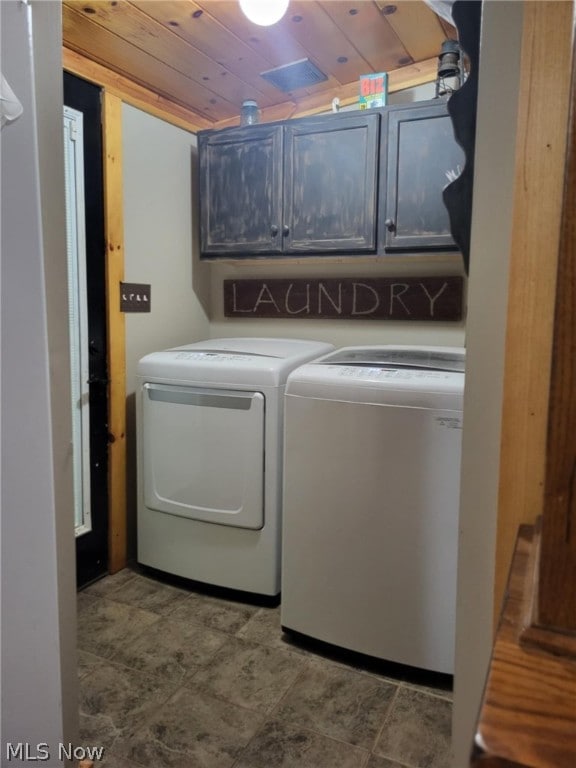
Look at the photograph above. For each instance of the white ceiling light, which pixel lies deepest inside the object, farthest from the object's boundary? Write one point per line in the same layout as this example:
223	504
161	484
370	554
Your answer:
264	12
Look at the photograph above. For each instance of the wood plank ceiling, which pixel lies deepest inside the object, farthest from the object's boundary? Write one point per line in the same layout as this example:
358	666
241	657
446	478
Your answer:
204	57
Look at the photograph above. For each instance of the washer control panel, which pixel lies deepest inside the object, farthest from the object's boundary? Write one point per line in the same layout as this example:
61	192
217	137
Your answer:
375	373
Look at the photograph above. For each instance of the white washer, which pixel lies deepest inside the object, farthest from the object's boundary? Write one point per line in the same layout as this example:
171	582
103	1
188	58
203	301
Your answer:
371	495
210	429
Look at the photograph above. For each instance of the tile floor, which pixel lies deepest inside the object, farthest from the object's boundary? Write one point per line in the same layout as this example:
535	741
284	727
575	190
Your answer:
174	678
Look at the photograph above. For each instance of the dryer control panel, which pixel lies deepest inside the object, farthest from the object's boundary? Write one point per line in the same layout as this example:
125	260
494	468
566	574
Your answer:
212	356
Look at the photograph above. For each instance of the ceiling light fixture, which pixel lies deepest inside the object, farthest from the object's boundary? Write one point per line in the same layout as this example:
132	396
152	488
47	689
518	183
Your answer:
264	12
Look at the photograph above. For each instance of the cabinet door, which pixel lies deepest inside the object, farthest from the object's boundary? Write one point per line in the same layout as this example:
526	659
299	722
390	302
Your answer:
423	157
241	191
330	172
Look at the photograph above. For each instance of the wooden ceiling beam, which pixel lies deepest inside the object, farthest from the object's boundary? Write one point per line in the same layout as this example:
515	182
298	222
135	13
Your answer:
145	99
398	80
370	32
132	93
100	44
417	26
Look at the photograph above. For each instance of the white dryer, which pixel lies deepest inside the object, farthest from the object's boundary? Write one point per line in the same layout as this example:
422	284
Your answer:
210	430
371	497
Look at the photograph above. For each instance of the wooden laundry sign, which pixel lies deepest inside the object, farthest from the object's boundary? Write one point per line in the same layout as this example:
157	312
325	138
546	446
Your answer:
346	298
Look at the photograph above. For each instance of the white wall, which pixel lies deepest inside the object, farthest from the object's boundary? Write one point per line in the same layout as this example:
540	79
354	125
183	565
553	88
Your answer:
418	93
485	336
407	96
341	332
160	238
161	248
160	233
39	682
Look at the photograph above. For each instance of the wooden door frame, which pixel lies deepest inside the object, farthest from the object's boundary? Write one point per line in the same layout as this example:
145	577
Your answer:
92	549
538	195
117	90
114	234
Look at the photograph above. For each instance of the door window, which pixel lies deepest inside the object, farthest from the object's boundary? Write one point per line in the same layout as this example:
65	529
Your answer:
78	316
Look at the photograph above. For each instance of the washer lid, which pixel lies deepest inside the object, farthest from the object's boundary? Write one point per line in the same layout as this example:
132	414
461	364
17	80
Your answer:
418	358
241	361
426	377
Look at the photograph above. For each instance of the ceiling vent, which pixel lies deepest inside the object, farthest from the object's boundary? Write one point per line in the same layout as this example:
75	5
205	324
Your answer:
297	74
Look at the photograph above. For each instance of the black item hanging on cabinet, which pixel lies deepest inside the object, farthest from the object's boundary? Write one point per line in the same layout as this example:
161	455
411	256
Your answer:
457	196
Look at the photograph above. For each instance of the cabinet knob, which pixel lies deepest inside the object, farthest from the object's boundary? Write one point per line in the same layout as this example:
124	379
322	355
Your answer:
285	230
273	230
390	225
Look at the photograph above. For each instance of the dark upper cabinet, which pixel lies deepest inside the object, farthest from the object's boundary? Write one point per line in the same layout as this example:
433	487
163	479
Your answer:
302	187
356	182
241	190
330	180
422	158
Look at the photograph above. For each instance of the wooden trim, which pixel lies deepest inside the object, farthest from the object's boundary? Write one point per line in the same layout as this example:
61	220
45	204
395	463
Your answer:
533	633
557	582
136	95
527	717
132	93
398	80
528	712
540	159
114	227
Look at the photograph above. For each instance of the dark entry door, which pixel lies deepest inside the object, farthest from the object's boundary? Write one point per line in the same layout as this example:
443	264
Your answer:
92	537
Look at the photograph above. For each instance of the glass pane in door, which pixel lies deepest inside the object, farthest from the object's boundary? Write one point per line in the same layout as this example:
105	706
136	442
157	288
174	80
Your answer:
77	316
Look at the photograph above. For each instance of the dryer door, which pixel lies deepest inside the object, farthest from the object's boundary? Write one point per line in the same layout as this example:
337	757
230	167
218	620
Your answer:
203	454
